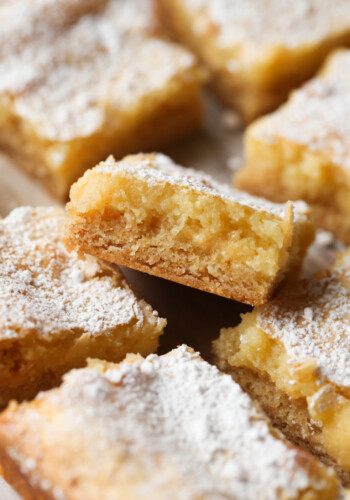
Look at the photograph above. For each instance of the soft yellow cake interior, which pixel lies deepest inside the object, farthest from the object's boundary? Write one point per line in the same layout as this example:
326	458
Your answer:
165	215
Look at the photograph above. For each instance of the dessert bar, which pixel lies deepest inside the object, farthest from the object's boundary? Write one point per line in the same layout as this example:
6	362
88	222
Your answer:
149	214
256	50
162	427
56	309
302	151
85	78
293	356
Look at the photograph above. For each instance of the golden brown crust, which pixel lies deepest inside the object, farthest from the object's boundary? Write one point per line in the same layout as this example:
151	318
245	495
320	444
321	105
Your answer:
332	220
243	287
19	482
28	385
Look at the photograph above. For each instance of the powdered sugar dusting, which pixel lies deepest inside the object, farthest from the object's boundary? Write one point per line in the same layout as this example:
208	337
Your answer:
312	319
158	168
176	418
316	116
255	25
46	290
70	64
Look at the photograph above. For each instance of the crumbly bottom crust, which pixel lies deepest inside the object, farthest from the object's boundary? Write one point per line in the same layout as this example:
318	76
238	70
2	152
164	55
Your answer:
332	220
289	415
246	286
28	389
11	473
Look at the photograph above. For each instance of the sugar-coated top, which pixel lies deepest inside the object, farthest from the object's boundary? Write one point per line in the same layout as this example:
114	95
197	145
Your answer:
312	319
45	290
70	63
316	116
173	426
255	25
158	168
